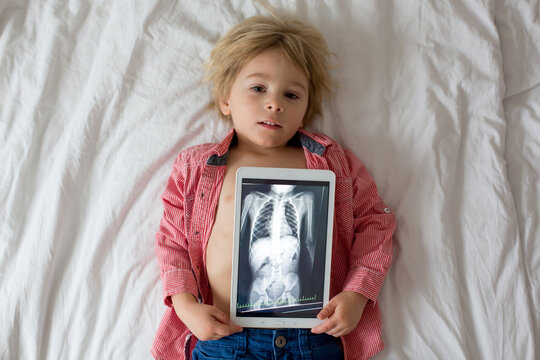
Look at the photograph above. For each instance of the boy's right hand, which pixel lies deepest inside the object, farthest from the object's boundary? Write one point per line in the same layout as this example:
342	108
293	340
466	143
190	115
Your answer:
206	322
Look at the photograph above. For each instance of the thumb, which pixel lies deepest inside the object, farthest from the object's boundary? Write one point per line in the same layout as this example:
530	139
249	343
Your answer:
225	319
327	310
221	316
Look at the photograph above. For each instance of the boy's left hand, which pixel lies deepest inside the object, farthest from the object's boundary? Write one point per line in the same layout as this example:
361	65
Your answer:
342	314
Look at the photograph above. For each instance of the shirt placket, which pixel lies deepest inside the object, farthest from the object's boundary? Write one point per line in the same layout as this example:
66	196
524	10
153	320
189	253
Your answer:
202	217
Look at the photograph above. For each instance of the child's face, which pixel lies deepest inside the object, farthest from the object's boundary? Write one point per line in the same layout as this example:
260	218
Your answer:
267	101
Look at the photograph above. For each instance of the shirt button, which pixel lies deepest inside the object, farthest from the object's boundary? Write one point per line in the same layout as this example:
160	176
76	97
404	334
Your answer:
280	341
387	210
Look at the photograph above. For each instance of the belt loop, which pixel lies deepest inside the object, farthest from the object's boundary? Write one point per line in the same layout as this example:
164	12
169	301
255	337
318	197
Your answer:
241	344
305	349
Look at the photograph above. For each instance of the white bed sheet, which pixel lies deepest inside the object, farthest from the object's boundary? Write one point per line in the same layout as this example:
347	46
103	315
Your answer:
438	99
519	28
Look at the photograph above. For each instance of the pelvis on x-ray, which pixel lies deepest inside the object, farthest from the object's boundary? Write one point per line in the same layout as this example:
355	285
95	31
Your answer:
280	232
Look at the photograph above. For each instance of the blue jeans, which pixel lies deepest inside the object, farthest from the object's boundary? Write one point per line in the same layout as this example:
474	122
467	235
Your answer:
265	344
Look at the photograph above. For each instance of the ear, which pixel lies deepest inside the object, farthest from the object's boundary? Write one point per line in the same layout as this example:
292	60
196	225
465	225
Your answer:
224	107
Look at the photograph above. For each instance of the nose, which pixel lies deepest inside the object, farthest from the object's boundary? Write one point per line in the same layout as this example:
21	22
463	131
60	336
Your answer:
273	105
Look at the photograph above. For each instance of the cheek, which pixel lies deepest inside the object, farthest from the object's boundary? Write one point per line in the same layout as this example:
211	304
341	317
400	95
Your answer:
304	104
301	109
246	104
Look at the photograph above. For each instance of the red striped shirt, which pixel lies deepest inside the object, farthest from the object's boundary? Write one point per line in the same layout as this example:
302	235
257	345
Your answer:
362	243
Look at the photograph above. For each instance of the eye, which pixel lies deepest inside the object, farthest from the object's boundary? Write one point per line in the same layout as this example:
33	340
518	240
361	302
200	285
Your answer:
291	96
257	88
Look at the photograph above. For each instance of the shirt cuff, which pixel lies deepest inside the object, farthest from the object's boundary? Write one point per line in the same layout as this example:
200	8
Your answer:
178	281
364	281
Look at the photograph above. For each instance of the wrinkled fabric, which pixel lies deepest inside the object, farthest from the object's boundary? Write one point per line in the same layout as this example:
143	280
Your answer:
439	99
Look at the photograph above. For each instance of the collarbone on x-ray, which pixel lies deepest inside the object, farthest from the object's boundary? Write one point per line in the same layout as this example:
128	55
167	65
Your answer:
281	225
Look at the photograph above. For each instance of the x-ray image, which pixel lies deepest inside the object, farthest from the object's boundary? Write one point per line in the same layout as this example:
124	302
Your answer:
282	248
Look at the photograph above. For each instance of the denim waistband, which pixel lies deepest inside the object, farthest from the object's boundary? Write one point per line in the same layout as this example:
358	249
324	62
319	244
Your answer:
278	339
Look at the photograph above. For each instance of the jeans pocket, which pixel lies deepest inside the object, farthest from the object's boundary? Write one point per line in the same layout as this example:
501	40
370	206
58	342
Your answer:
204	351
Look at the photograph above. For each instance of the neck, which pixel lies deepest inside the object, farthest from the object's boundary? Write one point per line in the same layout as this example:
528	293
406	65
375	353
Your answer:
260	151
247	147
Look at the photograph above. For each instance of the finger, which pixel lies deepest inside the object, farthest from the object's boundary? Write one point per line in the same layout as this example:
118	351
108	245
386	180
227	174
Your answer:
334	330
326	326
235	328
221	316
337	331
327	310
223	319
341	333
222	330
319	329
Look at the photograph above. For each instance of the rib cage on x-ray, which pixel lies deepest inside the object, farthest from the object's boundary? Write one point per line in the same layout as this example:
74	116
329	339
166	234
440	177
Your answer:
276	238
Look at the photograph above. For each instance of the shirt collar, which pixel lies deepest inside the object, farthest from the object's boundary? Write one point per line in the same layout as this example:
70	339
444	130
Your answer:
312	142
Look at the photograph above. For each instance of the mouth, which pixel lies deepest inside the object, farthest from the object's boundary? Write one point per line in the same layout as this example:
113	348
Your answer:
269	123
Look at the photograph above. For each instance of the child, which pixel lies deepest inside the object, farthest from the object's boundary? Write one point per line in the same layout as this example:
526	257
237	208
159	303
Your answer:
270	75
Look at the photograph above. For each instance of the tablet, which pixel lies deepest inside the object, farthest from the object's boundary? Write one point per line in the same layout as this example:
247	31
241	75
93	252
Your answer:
283	220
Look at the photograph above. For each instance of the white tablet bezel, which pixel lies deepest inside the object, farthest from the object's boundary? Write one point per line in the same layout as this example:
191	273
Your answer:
280	174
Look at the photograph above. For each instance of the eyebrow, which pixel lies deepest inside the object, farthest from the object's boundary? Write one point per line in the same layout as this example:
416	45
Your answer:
265	76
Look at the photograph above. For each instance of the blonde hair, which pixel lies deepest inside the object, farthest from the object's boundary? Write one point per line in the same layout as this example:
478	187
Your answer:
300	43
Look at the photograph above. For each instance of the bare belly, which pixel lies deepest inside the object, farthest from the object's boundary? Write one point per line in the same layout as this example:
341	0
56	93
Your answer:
219	255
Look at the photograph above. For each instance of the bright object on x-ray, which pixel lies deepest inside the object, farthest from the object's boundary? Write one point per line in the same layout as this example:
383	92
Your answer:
278	218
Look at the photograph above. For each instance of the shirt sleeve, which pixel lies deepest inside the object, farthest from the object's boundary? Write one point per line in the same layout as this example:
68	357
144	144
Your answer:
171	240
374	224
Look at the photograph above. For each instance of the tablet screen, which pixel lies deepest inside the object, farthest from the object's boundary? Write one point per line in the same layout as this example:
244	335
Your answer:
282	248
